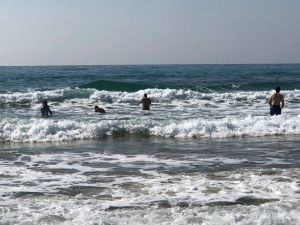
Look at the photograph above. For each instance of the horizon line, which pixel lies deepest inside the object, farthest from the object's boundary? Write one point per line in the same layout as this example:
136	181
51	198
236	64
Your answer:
147	64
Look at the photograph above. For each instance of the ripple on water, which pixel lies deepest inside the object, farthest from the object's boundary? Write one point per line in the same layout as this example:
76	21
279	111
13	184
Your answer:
247	200
56	170
51	219
86	190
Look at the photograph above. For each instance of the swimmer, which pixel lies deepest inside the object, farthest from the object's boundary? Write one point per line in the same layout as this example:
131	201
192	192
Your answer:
45	110
146	102
276	102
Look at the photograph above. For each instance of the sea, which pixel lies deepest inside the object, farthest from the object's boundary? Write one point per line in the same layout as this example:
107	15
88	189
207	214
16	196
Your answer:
207	152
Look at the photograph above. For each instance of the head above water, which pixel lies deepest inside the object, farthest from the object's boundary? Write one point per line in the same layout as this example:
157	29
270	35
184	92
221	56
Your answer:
277	89
45	102
96	107
145	95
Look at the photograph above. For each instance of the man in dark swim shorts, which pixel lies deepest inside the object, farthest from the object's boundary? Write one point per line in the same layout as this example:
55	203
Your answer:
276	102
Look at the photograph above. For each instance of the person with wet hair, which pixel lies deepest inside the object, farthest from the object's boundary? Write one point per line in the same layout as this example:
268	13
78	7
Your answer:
45	110
99	110
146	102
276	102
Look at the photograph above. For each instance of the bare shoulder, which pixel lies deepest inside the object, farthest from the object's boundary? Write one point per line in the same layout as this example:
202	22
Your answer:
273	95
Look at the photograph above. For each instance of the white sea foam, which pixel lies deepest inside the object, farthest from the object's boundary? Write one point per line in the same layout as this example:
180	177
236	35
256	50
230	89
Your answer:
169	95
38	96
237	127
158	95
43	130
189	198
174	113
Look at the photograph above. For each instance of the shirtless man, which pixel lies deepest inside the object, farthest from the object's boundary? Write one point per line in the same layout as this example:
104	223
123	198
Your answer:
274	102
146	102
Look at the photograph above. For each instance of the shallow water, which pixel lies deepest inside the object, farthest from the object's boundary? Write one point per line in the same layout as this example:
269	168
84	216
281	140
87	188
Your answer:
207	153
189	101
134	180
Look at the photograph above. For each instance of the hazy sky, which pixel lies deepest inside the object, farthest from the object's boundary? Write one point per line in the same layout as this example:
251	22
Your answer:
47	32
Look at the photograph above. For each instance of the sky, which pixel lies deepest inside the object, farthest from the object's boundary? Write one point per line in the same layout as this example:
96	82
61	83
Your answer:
108	32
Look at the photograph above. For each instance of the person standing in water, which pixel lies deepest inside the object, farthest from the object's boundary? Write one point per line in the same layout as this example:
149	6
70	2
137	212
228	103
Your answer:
45	110
276	102
146	102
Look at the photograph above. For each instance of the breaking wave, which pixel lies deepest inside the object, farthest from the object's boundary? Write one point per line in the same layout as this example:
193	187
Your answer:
48	130
158	95
179	113
110	85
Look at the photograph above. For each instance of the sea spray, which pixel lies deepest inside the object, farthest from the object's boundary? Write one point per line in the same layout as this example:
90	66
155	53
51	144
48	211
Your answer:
158	95
44	130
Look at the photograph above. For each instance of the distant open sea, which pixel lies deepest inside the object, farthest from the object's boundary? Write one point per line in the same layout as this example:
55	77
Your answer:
207	152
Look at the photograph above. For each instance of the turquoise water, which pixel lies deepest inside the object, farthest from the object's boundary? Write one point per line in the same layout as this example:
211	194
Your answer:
206	153
207	77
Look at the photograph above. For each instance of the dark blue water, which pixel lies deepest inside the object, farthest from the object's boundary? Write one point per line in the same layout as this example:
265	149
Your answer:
196	77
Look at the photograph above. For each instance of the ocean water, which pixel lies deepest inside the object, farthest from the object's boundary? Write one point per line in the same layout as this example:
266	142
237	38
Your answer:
206	153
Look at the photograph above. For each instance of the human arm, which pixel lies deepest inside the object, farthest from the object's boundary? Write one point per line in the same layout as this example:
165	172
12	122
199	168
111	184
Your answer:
49	110
282	102
270	101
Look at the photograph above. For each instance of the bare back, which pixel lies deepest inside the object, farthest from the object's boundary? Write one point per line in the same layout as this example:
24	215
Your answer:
146	102
276	99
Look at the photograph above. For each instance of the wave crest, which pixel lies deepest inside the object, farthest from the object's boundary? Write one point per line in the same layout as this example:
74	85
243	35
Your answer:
57	95
47	130
157	95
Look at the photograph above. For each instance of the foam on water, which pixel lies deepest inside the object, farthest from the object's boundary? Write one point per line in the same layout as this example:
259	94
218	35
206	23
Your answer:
241	127
158	95
175	113
43	130
82	188
38	96
127	169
